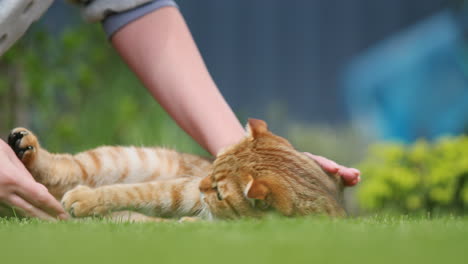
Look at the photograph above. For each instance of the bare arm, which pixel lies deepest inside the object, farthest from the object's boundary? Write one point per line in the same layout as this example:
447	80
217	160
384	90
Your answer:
160	50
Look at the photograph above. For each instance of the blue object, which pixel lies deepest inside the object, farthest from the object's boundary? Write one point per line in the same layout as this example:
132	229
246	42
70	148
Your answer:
414	84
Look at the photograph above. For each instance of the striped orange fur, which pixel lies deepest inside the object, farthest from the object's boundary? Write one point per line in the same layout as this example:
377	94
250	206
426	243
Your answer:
261	173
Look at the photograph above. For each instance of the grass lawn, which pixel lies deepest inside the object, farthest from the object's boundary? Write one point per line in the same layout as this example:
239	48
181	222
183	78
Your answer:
275	240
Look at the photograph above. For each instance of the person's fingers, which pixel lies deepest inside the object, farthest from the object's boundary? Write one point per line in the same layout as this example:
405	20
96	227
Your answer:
37	194
28	209
354	182
6	149
347	173
328	165
350	176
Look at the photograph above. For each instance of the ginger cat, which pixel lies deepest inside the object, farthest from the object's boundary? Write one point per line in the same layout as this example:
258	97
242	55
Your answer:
262	172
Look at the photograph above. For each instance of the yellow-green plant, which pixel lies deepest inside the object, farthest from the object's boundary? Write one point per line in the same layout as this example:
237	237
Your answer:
417	178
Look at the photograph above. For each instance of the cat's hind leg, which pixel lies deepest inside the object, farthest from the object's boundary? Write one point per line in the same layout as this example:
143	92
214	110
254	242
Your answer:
168	198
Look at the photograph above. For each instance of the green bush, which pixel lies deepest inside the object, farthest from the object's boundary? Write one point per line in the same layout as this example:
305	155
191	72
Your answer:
422	177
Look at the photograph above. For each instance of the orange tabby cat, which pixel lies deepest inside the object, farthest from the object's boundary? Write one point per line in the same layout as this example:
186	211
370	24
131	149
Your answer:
262	172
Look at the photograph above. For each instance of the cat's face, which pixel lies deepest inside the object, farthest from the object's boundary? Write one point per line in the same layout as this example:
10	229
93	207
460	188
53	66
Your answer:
264	172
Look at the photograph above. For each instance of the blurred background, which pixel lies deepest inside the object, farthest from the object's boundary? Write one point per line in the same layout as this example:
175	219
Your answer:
381	85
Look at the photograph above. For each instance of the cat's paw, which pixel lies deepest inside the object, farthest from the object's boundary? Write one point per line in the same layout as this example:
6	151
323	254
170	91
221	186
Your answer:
24	143
83	201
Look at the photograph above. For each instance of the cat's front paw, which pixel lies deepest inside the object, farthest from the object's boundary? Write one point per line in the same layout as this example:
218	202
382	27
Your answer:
83	201
24	143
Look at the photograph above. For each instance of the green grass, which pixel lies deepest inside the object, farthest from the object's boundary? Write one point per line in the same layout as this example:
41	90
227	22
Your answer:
275	240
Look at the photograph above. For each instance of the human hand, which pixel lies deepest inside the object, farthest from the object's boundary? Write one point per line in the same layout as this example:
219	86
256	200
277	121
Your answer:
18	189
350	176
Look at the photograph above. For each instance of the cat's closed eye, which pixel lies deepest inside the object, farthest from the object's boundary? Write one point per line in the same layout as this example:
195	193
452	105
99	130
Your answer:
218	194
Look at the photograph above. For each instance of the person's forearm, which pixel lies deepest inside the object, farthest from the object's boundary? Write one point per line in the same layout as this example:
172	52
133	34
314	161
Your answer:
159	48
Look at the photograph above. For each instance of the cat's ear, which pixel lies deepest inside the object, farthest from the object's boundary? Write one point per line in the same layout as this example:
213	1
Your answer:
256	127
256	189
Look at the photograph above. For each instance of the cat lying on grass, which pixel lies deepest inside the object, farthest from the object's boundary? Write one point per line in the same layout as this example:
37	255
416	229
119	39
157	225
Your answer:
261	173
